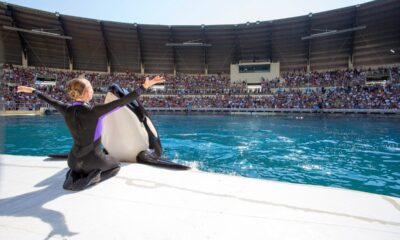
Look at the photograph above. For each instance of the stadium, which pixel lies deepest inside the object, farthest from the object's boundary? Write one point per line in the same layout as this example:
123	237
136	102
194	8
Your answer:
290	123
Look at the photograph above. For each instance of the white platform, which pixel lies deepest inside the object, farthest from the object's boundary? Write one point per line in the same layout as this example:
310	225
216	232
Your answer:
145	202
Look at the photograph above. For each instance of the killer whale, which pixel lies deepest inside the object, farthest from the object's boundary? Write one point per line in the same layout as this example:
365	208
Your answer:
130	135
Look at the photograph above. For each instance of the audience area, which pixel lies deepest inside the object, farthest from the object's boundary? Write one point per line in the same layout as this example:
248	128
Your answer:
340	89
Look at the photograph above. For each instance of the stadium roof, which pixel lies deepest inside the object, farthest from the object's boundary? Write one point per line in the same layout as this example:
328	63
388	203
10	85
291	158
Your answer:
126	47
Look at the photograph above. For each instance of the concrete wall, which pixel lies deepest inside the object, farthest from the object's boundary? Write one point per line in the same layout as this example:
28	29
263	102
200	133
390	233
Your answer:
20	112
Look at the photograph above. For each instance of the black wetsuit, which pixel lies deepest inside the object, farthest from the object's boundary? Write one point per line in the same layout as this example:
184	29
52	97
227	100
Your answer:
85	125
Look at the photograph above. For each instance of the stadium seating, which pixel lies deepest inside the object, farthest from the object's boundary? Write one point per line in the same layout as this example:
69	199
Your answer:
341	89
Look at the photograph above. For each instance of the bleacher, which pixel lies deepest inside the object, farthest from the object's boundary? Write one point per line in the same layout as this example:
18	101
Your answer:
341	89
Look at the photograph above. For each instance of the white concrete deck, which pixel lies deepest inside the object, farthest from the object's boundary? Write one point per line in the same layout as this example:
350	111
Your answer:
145	202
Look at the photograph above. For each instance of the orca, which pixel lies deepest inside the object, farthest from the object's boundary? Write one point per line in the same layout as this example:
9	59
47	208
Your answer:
129	134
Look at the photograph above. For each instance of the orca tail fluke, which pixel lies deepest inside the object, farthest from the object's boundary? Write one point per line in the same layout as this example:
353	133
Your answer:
149	158
77	182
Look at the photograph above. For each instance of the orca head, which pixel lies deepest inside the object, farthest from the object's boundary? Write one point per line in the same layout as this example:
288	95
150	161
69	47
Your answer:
120	92
116	90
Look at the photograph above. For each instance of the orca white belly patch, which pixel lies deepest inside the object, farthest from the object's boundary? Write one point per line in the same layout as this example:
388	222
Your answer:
124	136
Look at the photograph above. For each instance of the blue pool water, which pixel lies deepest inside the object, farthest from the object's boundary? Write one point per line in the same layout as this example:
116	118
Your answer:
361	153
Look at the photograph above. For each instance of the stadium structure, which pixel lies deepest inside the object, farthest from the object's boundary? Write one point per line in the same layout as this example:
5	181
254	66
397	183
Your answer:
358	36
319	62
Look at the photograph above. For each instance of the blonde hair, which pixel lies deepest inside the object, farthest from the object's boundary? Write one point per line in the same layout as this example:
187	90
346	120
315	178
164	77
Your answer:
76	87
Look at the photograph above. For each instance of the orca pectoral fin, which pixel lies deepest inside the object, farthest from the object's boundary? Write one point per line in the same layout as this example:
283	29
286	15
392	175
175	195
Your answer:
58	155
147	157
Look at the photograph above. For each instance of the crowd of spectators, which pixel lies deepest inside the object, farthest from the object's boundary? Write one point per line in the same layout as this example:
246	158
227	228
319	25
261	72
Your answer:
298	89
367	97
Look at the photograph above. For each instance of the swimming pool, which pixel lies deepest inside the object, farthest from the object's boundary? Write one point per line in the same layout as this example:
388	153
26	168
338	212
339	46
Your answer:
361	153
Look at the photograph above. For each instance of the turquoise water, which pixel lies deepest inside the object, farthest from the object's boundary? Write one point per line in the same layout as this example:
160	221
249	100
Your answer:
361	153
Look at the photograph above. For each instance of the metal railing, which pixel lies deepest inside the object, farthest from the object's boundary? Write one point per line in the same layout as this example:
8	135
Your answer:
36	107
275	110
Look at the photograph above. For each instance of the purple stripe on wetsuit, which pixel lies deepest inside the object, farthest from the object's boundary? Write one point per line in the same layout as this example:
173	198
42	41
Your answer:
99	126
77	103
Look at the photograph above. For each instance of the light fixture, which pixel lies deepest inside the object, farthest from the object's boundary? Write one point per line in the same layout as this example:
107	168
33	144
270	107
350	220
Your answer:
37	32
188	44
333	32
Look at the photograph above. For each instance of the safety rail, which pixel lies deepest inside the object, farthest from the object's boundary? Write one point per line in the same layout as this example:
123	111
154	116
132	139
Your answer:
25	107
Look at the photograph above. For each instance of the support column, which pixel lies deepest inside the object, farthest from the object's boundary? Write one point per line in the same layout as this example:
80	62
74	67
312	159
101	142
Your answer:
105	41
141	68
309	25
174	55
351	49
269	47
237	54
24	59
140	50
15	23
204	39
350	63
67	42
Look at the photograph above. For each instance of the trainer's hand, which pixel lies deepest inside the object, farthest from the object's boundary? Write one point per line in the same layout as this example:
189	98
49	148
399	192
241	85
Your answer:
25	89
149	83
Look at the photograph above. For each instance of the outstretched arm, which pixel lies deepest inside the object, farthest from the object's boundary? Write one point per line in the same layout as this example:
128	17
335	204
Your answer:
60	106
101	109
